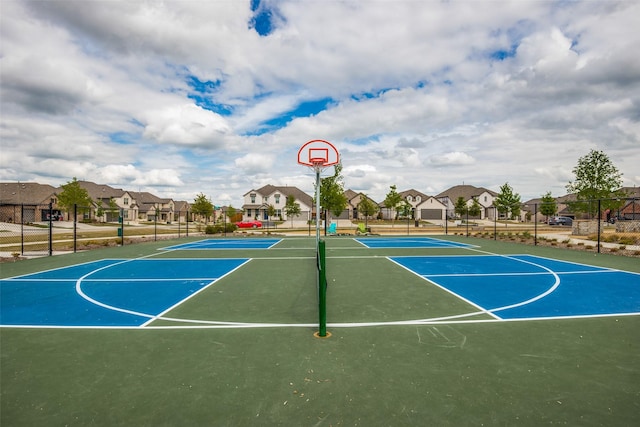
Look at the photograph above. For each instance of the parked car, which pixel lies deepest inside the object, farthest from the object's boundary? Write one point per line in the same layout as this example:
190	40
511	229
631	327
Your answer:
249	224
561	220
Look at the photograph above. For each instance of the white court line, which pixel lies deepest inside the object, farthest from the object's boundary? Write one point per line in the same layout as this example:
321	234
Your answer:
453	319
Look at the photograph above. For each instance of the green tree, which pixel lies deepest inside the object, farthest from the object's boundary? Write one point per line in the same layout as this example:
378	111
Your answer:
461	207
232	213
332	198
271	211
548	206
100	211
475	209
202	206
596	178
507	202
404	209
73	194
393	200
366	207
291	208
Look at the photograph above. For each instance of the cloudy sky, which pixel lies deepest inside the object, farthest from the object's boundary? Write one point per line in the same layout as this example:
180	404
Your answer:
184	97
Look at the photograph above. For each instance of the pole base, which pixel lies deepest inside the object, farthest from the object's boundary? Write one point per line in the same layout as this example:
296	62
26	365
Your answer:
317	335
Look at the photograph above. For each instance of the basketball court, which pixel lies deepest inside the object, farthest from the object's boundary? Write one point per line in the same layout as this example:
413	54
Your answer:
440	330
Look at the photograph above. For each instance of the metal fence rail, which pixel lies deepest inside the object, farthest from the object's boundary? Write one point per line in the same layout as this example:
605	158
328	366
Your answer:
39	230
611	223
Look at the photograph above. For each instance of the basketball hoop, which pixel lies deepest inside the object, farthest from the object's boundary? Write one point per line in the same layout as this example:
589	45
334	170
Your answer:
318	154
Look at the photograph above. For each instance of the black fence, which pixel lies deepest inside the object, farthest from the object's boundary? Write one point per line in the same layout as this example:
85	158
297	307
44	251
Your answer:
604	224
41	229
611	224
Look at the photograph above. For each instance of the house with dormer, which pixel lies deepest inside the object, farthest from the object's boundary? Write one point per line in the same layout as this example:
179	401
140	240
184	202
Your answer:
353	200
469	193
256	203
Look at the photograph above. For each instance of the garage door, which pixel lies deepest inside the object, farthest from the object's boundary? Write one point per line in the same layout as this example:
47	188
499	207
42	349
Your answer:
430	214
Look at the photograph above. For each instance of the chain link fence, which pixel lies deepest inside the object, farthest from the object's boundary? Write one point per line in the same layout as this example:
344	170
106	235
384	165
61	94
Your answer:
42	230
605	225
602	225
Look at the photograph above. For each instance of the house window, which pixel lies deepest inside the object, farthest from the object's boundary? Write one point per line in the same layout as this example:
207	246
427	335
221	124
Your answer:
408	198
277	196
265	199
418	199
126	201
249	212
485	198
279	213
253	197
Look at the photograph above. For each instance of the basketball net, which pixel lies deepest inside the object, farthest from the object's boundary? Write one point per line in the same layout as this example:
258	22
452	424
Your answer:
318	165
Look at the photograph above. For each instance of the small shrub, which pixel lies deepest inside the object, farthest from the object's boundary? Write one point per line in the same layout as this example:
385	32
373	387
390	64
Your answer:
627	240
220	228
611	238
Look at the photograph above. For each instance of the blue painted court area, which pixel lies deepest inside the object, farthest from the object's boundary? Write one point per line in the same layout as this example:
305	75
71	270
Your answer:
524	286
227	244
409	242
108	292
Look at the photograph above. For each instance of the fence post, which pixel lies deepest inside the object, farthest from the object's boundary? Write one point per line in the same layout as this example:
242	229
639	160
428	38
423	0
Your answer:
446	222
50	227
155	224
599	218
535	224
22	228
75	228
121	221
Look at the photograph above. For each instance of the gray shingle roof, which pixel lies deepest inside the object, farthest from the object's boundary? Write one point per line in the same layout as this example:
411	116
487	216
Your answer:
15	193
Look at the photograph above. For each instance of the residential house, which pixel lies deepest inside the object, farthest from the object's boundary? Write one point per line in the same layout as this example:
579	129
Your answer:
256	203
26	202
108	203
423	207
181	212
351	211
153	208
483	196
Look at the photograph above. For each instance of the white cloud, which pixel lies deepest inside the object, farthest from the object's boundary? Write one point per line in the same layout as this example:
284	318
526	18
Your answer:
185	124
453	158
255	163
100	90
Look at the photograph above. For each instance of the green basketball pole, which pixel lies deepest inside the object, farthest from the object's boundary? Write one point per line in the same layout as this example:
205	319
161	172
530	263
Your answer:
322	290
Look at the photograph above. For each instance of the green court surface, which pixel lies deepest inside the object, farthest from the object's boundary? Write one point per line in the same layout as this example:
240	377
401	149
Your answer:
242	352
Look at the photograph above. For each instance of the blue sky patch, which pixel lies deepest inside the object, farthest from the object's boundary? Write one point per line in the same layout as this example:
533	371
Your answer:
263	20
123	138
502	54
202	95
